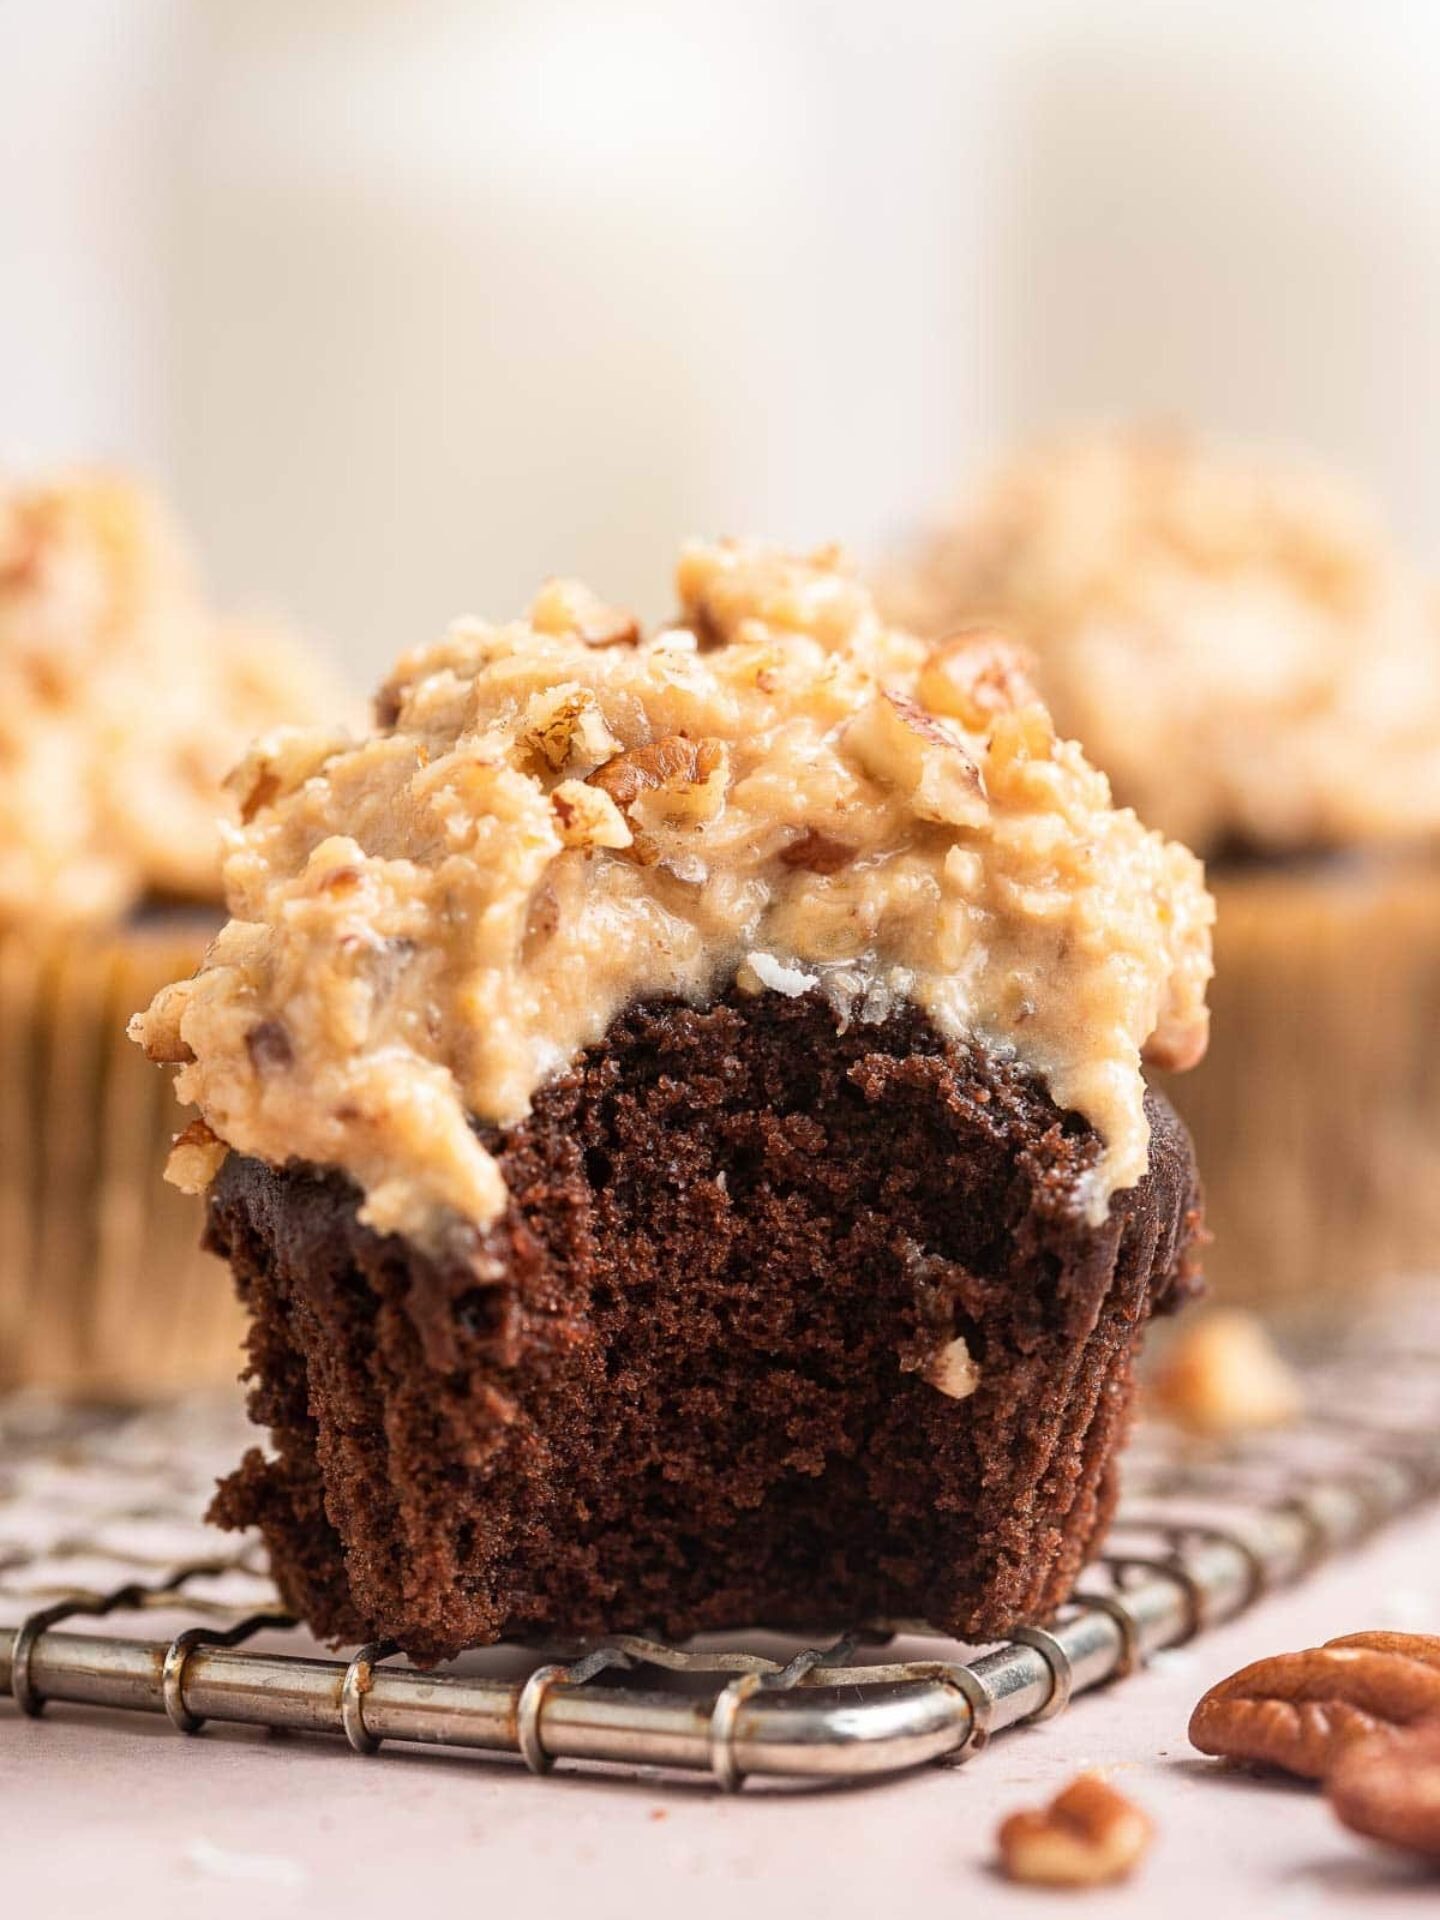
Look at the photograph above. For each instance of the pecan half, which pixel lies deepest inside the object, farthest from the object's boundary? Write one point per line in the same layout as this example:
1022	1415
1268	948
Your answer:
1389	1788
1088	1836
1299	1711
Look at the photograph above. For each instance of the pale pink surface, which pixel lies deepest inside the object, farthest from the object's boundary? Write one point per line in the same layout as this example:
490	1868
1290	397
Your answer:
120	1816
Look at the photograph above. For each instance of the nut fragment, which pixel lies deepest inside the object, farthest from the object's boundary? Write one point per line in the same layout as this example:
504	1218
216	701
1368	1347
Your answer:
972	676
196	1156
674	761
899	743
1389	1788
953	1370
278	763
564	726
158	1032
269	1047
1223	1375
587	817
1088	1836
1299	1711
569	610
817	852
671	782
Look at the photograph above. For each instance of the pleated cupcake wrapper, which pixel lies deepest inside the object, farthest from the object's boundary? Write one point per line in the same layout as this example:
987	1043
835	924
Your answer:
103	1289
1316	1113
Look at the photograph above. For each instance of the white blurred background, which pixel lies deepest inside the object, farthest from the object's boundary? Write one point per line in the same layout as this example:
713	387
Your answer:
411	303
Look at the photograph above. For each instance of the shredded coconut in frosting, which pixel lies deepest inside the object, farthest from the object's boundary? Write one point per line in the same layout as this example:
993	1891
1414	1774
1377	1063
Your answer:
123	704
560	817
1236	642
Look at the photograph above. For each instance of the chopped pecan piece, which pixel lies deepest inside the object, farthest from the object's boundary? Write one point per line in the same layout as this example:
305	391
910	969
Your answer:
570	610
1088	1836
671	782
196	1156
1299	1711
564	724
953	1371
672	761
264	788
817	852
586	816
278	764
973	676
899	743
1226	1375
158	1031
269	1048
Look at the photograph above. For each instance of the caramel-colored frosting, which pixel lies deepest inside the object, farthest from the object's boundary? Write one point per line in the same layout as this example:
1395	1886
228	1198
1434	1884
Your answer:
123	704
559	817
1236	642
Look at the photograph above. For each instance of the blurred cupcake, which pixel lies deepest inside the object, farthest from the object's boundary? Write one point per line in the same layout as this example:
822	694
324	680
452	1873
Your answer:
123	703
1238	643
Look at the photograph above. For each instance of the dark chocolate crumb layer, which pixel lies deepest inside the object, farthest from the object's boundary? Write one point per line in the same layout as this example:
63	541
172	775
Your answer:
682	1386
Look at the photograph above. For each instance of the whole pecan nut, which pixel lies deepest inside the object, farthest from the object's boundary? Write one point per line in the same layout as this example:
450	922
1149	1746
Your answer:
1389	1788
1088	1836
1300	1711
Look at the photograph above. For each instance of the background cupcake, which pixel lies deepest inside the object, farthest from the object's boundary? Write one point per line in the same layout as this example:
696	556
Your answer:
123	702
1239	644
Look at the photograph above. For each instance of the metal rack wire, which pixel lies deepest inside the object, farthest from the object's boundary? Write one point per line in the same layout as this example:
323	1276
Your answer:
1203	1533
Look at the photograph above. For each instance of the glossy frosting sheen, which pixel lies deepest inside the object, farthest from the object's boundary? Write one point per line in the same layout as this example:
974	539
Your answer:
561	816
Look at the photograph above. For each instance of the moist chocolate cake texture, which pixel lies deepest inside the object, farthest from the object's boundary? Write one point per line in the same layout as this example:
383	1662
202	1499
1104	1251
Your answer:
784	1323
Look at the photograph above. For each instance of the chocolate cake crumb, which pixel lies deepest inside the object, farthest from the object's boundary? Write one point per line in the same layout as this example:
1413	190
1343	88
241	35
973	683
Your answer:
681	1385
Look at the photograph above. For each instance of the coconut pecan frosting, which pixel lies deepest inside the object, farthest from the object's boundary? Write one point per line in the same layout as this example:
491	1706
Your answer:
558	817
124	701
1236	638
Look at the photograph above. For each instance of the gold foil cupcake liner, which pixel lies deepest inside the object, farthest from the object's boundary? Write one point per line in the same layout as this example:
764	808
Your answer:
104	1291
1316	1112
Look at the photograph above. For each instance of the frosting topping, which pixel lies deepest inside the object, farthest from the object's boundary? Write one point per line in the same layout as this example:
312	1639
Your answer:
1237	642
558	817
123	703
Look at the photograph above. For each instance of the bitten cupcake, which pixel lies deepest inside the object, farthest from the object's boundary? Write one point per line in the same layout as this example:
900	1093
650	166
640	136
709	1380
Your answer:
673	1107
1240	646
123	702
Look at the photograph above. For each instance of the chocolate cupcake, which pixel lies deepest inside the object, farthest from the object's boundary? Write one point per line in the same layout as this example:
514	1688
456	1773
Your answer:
122	703
673	1107
1239	645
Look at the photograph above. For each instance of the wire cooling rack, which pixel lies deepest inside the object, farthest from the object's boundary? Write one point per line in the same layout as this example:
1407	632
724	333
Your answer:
112	1594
